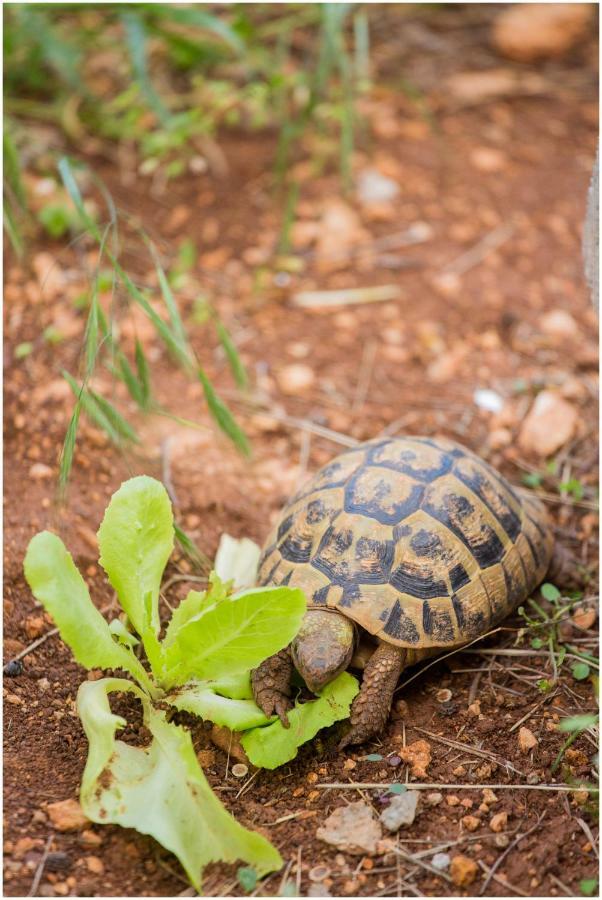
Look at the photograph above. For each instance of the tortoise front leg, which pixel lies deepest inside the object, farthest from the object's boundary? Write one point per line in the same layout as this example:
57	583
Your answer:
271	684
371	707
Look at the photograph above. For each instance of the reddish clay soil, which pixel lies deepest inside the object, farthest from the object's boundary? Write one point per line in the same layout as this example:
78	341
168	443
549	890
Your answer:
409	366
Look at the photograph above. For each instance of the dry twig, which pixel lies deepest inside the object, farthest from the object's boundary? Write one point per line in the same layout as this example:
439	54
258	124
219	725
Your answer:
38	874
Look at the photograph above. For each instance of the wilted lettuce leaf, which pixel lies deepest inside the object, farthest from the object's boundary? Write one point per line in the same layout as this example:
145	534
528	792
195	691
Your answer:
274	745
235	635
136	539
160	789
56	582
236	561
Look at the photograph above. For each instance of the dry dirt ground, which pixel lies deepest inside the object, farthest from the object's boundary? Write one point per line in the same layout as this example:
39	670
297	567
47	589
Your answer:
513	167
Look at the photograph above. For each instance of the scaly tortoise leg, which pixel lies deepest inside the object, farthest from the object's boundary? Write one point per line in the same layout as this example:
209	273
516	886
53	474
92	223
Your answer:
271	684
371	707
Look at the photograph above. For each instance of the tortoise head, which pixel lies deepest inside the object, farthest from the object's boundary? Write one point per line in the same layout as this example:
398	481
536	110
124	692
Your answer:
323	647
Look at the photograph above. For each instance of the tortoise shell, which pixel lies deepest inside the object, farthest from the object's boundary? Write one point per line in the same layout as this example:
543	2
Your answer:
415	539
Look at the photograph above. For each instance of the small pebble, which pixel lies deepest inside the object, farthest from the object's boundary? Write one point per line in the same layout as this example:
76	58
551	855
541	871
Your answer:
440	861
470	823
533	778
295	379
58	861
443	695
502	840
394	761
94	865
434	798
13	668
319	873
526	740
400	811
318	890
239	770
463	870
499	821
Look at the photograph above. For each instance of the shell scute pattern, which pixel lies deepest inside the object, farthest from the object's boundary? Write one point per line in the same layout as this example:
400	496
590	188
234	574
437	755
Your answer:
417	540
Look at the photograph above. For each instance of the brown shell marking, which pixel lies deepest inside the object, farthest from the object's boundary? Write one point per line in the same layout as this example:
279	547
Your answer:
417	540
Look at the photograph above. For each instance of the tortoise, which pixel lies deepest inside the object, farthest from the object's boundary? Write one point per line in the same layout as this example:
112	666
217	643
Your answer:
415	544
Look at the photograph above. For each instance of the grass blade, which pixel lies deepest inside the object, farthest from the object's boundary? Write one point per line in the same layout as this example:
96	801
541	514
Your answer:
68	177
223	416
173	344
143	374
12	166
190	549
126	375
91	409
170	300
199	18
135	34
234	360
12	229
91	335
68	449
114	417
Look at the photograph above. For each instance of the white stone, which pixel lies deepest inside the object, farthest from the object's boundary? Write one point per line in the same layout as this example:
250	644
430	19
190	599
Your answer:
400	811
372	187
488	400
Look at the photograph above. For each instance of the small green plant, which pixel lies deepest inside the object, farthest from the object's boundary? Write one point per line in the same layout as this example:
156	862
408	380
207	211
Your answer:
101	340
575	726
180	75
202	665
549	478
588	887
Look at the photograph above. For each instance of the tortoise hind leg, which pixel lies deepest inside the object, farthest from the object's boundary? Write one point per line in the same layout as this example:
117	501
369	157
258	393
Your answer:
371	707
271	685
564	570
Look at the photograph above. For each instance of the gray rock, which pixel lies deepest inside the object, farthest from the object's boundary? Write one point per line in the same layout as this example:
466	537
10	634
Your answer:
440	861
373	187
352	828
400	811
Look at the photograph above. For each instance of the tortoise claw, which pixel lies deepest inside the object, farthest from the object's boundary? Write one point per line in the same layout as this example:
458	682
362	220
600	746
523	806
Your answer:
355	735
281	707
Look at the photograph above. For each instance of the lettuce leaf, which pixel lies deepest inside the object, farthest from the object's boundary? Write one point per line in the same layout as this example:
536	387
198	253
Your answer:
238	715
160	789
236	560
234	635
275	745
135	540
56	582
194	603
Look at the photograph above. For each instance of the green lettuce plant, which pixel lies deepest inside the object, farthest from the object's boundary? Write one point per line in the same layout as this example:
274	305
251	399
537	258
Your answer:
201	664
